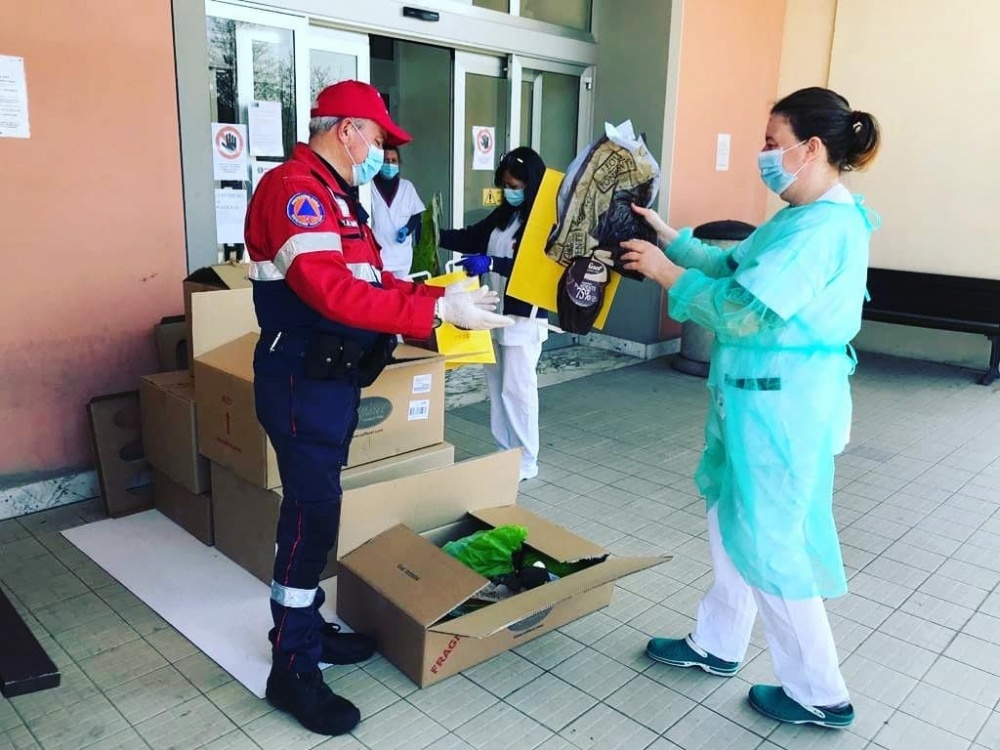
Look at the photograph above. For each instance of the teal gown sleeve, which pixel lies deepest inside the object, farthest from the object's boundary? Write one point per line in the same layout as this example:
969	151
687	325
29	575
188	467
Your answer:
721	305
688	252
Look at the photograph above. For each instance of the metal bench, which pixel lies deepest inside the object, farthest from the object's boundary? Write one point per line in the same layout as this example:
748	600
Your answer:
946	303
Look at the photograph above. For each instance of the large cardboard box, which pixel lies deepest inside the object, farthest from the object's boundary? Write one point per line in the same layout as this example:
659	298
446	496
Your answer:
171	335
169	429
402	411
400	586
192	512
122	468
210	279
246	516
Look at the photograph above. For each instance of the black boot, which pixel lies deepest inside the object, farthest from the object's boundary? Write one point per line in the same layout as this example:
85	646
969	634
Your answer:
344	648
310	700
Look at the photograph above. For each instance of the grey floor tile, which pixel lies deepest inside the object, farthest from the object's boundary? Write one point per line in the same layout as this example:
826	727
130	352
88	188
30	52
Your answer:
939	611
171	644
400	725
904	732
703	729
101	634
186	726
647	702
550	650
503	674
594	673
551	702
876	681
238	740
918	631
946	711
385	672
897	654
122	664
151	694
603	728
961	679
503	727
453	702
202	672
76	726
279	731
75	687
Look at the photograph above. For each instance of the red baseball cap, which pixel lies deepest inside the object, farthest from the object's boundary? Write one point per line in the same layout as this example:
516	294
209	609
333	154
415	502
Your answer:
357	99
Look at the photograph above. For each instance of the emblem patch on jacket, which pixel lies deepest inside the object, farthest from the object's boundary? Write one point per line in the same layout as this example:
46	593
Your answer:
304	210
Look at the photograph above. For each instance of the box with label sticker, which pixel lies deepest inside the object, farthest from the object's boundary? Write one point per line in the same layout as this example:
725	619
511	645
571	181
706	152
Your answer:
400	412
395	582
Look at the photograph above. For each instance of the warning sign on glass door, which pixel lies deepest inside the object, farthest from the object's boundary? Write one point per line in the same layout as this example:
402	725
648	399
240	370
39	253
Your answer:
229	151
484	147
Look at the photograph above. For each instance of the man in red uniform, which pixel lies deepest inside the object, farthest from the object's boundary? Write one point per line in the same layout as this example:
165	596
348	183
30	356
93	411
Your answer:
328	316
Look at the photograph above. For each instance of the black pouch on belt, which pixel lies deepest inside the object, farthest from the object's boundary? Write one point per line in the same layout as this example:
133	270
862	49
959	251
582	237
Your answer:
329	357
376	359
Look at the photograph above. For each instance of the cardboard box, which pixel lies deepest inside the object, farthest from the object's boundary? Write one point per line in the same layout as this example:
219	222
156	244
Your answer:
246	516
220	317
191	512
401	412
171	336
210	279
400	586
122	469
170	431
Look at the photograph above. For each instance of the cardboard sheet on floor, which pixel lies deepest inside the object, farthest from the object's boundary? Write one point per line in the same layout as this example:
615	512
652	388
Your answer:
212	601
535	278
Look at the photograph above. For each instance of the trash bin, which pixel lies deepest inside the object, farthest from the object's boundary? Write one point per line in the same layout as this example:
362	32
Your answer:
696	342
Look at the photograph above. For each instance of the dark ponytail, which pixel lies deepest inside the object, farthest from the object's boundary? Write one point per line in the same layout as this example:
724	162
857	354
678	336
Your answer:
852	138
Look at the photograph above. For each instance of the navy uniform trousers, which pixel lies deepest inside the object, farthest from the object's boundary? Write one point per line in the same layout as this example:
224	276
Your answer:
310	424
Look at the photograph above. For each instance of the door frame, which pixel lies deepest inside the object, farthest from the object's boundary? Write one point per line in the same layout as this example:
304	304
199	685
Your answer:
465	63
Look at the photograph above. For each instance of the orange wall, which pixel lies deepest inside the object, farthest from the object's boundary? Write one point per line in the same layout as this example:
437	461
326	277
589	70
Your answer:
91	221
730	57
729	65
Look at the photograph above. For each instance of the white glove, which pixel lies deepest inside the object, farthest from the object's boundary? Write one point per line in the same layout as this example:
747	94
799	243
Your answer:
472	311
459	287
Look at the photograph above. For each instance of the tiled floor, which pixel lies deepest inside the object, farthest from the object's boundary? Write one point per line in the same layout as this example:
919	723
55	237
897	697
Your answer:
919	635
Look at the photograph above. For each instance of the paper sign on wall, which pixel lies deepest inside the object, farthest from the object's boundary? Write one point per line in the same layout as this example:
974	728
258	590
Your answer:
230	214
261	168
483	147
229	151
13	98
265	129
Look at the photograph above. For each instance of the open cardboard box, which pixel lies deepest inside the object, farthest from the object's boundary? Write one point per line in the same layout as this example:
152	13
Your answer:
246	516
400	586
212	279
402	411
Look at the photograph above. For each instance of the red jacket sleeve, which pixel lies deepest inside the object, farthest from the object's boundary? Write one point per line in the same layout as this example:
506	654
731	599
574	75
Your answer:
326	284
408	287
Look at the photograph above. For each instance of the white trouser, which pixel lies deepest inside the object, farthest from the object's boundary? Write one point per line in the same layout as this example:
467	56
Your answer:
513	386
797	630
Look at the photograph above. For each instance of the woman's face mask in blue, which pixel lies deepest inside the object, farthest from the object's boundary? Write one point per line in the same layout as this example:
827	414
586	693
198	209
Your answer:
772	169
515	197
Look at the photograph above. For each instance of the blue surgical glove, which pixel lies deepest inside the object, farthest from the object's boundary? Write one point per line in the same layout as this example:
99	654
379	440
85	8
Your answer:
476	265
402	234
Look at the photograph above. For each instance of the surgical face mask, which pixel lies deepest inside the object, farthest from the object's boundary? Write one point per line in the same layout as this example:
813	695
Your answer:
513	197
772	169
365	171
390	170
